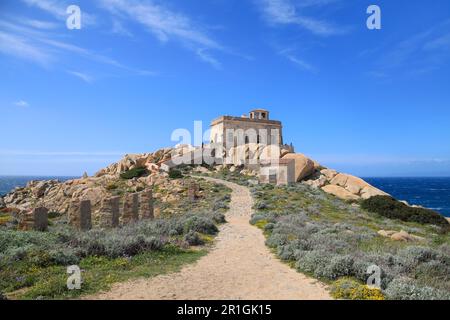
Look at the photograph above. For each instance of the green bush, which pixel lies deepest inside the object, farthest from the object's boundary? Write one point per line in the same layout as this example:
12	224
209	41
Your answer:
134	173
391	208
350	289
175	174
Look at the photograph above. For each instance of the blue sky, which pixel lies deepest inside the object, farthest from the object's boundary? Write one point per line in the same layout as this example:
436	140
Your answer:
367	102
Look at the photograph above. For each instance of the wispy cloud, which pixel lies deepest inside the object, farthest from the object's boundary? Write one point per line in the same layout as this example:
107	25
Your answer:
118	28
206	57
83	76
418	54
37	46
287	12
21	104
167	25
299	62
17	46
58	9
39	24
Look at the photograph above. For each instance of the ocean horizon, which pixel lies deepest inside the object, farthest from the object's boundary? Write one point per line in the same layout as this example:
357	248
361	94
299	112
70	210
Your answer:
429	192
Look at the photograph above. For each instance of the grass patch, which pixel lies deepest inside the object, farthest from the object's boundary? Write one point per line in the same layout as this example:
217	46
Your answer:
99	273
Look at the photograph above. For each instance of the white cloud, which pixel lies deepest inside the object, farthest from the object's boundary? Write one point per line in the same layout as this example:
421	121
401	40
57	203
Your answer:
21	104
58	10
39	24
38	47
17	46
165	24
287	12
118	28
421	53
290	55
206	57
83	76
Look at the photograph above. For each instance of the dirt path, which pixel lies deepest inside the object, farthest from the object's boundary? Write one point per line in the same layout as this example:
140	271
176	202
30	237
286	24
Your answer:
239	266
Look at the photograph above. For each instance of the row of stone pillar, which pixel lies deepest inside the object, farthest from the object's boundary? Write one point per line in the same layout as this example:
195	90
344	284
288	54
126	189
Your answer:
135	206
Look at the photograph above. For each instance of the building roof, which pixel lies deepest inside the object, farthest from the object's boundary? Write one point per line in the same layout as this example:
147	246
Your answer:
248	120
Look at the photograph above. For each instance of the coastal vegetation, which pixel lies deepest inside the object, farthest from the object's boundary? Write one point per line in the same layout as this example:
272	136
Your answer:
336	241
391	208
134	173
33	264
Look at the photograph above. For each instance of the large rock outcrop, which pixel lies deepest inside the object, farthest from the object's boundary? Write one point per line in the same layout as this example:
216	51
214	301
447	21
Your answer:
344	186
304	166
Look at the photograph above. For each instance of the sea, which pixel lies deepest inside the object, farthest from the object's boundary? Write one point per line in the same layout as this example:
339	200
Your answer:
432	193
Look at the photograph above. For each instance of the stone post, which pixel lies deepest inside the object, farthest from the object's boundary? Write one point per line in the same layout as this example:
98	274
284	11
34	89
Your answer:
110	212
85	215
146	205
130	212
74	213
80	214
40	216
193	190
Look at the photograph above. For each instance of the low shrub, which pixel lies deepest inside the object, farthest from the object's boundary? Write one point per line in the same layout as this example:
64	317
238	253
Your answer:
220	205
193	239
218	217
407	289
199	224
175	174
134	173
350	289
112	186
314	262
391	208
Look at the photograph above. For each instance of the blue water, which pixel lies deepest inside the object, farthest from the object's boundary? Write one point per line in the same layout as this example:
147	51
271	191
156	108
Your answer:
432	193
8	183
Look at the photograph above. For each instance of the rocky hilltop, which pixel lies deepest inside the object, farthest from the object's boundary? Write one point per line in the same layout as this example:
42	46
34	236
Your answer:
56	196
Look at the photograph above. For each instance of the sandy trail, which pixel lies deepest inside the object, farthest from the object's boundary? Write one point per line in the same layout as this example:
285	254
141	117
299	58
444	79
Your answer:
239	266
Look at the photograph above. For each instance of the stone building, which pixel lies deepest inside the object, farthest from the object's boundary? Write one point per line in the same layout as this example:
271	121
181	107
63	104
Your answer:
281	173
256	127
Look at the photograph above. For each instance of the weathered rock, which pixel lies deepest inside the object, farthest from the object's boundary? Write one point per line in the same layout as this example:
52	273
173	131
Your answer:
340	192
109	213
356	186
40	219
329	173
146	209
73	213
304	166
193	190
2	203
130	212
386	233
370	191
317	183
80	215
405	236
399	236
